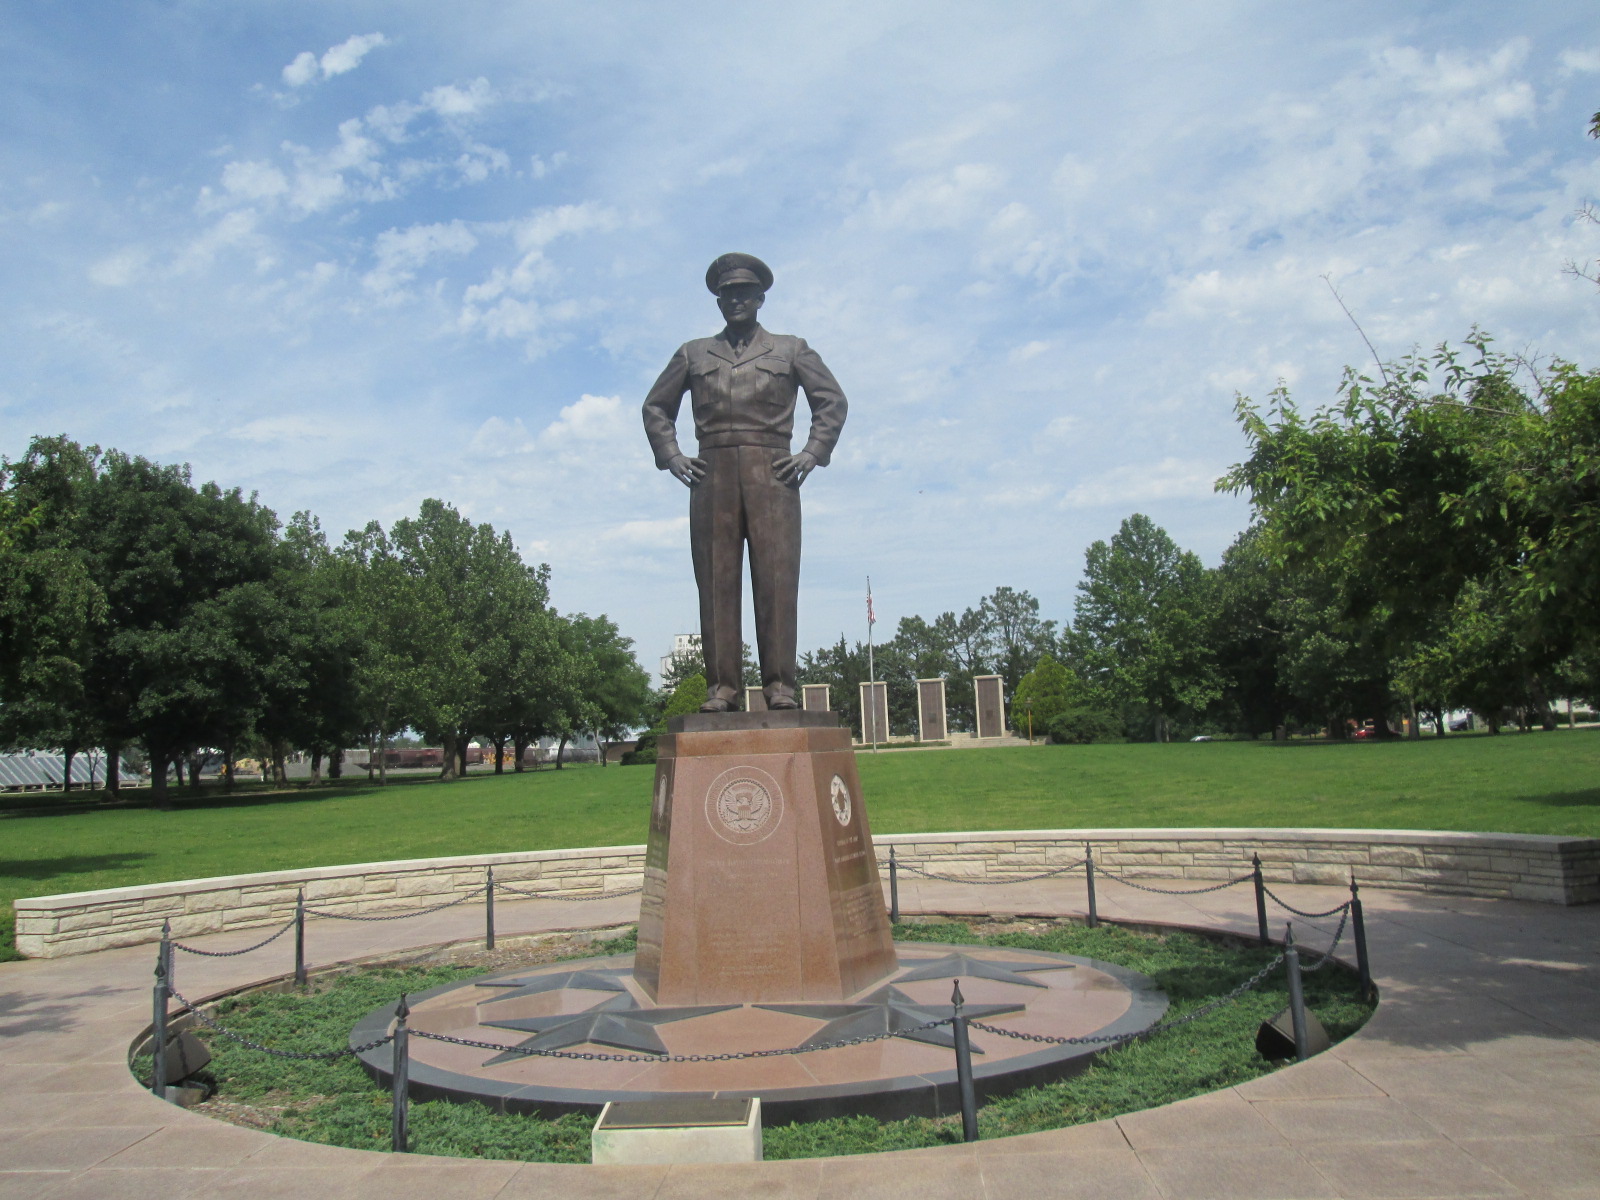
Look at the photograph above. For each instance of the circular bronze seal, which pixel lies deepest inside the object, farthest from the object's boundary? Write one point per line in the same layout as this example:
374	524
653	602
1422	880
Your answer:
840	795
744	805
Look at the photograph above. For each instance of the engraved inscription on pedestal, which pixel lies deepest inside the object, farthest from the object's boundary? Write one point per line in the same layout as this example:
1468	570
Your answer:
875	712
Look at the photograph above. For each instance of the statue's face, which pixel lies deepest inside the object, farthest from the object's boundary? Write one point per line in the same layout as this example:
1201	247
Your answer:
740	302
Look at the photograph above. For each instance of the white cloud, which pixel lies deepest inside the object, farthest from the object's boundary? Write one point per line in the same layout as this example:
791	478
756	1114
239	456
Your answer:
254	180
1580	62
448	100
120	269
592	418
302	70
400	253
337	60
1169	479
650	534
498	438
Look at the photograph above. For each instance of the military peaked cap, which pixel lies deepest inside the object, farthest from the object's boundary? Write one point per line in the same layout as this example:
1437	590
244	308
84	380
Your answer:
730	269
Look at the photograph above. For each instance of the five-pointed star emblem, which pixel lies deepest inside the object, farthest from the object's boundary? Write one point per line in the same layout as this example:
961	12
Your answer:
532	985
617	1022
887	1010
960	966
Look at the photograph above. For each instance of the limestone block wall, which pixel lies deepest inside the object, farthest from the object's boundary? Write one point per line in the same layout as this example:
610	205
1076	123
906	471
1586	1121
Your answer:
82	922
1552	870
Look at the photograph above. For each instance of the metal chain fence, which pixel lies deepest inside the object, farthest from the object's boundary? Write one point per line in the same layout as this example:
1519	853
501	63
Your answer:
266	941
1109	874
304	1056
1310	916
506	887
421	912
1067	870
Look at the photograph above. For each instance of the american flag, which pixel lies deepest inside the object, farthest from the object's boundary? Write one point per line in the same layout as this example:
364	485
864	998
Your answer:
871	620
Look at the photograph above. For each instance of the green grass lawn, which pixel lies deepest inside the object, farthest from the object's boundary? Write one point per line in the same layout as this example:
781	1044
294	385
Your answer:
1532	783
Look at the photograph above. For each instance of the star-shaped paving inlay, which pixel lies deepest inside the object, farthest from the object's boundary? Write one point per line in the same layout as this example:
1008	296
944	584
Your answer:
960	966
888	1010
617	1022
532	985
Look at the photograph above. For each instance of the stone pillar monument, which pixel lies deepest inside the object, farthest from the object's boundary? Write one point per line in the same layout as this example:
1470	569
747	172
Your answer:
875	712
760	879
814	697
755	700
931	724
991	705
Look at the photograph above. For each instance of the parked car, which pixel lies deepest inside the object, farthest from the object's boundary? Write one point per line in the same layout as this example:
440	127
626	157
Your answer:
1461	724
1204	737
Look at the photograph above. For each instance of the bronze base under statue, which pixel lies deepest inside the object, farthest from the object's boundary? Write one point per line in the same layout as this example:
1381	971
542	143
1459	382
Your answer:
760	881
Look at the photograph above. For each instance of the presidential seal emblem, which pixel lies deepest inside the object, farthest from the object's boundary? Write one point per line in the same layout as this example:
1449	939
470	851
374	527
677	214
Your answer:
840	795
744	805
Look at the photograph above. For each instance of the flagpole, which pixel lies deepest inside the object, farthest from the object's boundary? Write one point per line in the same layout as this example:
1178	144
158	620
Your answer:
872	678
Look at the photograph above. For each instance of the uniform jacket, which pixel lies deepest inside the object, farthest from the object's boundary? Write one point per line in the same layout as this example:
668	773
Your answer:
744	399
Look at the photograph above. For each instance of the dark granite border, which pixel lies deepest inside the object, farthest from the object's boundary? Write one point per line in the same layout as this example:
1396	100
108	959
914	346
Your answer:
930	1094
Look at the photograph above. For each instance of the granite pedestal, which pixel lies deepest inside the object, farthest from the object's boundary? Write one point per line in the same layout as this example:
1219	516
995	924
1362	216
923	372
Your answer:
760	882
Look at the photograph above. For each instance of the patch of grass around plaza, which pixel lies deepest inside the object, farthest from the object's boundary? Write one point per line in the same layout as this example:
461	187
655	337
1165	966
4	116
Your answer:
1527	783
336	1103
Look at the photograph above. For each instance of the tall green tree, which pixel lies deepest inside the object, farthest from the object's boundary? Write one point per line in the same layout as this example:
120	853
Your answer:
1141	625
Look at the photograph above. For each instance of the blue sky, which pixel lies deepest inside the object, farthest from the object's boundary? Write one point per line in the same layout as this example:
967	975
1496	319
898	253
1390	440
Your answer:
351	255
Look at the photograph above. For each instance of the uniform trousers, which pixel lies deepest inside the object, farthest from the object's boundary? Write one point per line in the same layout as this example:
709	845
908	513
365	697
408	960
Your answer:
740	500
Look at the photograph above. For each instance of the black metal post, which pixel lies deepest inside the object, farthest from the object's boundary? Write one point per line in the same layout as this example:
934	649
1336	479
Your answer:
1358	925
894	889
969	1098
1297	996
1088	874
158	1023
300	938
488	913
400	1127
1261	901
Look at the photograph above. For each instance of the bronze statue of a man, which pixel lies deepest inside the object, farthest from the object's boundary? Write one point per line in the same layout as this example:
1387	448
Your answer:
744	483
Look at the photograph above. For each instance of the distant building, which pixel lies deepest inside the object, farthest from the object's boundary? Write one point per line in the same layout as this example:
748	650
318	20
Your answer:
683	643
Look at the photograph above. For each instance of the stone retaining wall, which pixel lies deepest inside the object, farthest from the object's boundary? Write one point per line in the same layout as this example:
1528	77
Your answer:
1503	866
1552	870
82	922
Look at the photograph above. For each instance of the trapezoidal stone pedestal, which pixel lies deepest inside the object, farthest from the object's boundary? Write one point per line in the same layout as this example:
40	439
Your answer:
760	882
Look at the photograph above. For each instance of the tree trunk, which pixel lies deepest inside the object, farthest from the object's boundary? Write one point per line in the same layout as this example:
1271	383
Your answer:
461	755
316	764
68	753
447	769
520	749
158	777
1413	730
280	769
383	758
196	760
177	769
335	762
114	767
560	751
499	744
227	765
600	747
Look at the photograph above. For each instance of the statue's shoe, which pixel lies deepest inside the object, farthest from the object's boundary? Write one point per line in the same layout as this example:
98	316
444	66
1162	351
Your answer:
717	704
781	702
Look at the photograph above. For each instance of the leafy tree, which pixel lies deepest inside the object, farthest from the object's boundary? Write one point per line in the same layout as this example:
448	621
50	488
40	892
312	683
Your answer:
1141	627
1054	700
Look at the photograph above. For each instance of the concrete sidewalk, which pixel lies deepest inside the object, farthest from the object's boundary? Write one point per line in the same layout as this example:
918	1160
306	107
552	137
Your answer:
1479	1076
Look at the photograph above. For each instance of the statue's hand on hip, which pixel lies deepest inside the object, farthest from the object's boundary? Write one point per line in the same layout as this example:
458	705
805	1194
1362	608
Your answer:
687	471
792	471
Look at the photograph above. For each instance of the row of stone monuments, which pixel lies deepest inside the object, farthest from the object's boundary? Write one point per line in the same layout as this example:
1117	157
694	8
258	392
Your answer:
932	723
